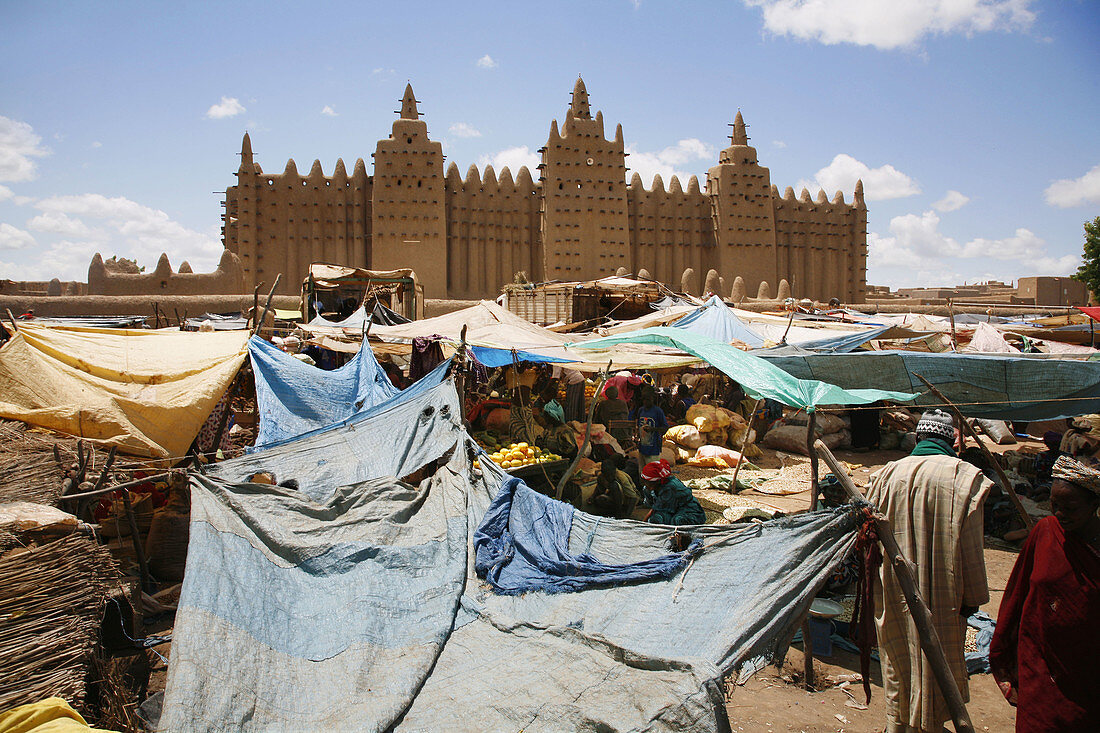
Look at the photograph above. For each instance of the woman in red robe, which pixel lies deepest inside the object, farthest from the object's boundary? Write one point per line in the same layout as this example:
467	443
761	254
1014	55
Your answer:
1047	642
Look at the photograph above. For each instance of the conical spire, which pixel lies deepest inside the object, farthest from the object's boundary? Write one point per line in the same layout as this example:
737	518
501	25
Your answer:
246	153
408	105
579	105
739	136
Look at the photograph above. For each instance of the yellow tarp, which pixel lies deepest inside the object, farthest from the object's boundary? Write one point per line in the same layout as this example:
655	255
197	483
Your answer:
52	715
147	392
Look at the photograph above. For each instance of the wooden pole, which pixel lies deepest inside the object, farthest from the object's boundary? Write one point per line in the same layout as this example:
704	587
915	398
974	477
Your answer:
808	655
790	320
922	616
267	305
745	443
139	551
231	392
968	429
460	375
560	488
12	319
954	338
811	428
117	487
256	303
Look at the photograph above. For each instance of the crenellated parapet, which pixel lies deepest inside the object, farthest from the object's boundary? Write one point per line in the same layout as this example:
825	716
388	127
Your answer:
227	279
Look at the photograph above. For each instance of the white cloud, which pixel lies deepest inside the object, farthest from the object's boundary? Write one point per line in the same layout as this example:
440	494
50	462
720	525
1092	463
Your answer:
779	144
6	193
57	222
461	129
916	252
890	25
514	158
951	201
879	184
119	226
328	111
14	238
486	62
97	144
19	146
228	107
1070	192
670	161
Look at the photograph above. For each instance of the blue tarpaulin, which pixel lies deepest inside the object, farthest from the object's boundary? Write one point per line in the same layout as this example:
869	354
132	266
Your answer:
715	320
492	357
353	604
995	387
523	545
294	398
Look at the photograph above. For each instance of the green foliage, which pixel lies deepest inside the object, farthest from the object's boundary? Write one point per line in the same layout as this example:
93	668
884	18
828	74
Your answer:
1089	271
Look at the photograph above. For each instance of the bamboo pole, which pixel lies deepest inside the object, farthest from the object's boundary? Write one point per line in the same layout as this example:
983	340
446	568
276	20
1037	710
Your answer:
267	305
745	443
968	429
922	616
560	488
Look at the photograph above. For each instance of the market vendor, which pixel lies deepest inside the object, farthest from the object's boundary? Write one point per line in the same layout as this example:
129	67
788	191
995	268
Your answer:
612	413
559	438
651	427
615	494
669	500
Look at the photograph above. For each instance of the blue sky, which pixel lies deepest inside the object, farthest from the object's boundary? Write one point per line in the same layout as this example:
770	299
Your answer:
972	122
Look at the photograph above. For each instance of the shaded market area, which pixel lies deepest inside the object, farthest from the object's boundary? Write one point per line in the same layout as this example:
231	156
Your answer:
356	517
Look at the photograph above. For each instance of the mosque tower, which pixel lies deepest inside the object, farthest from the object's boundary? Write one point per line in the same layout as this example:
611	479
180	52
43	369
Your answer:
584	217
409	227
744	217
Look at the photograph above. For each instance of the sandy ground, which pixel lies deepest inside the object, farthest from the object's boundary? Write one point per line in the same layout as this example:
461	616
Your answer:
774	700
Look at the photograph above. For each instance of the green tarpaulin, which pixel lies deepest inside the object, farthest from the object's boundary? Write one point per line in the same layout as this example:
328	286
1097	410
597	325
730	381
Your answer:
757	376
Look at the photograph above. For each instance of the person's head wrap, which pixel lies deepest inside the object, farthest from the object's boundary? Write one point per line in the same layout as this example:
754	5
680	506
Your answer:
1076	473
936	424
657	470
554	410
1052	439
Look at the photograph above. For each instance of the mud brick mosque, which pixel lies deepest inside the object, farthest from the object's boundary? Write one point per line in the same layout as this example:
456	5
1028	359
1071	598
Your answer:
577	217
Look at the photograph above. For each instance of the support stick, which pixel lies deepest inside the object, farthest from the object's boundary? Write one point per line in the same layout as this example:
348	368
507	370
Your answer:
12	319
587	434
256	302
267	305
117	487
139	551
968	429
922	616
224	419
808	655
811	428
954	338
745	443
460	376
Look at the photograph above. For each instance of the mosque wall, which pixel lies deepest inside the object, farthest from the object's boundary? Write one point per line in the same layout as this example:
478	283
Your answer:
577	218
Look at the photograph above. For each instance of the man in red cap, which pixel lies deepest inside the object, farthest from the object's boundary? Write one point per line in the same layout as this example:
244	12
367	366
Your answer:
671	502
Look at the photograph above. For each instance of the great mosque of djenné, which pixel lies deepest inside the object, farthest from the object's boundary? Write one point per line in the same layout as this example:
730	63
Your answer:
579	219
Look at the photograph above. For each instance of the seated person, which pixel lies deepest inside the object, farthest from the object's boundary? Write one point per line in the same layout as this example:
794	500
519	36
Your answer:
615	493
681	401
612	409
669	500
559	438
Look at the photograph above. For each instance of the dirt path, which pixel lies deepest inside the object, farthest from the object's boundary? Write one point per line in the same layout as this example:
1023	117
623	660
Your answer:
774	700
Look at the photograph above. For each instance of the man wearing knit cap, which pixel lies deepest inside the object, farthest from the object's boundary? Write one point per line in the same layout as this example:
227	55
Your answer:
933	501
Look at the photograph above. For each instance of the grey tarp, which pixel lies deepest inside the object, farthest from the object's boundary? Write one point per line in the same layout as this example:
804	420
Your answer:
1015	387
359	609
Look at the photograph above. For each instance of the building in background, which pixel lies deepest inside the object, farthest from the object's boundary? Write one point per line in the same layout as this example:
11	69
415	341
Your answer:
580	220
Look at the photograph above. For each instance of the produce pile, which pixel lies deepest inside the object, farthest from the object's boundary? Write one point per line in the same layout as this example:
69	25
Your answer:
518	455
703	440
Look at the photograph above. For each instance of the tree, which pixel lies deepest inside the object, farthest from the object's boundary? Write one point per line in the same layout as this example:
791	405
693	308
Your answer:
1089	271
